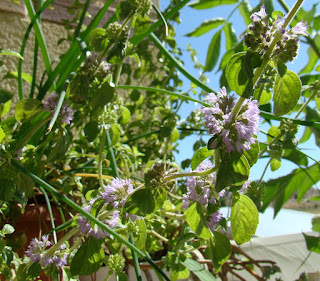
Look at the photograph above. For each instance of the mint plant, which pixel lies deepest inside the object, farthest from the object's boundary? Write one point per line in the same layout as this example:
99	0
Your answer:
96	139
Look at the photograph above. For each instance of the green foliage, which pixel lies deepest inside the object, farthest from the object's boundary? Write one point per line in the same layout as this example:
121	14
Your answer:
239	72
244	219
220	250
88	258
213	52
197	221
287	91
205	27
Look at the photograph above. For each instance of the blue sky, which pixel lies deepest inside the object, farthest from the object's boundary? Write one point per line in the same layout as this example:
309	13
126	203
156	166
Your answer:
190	19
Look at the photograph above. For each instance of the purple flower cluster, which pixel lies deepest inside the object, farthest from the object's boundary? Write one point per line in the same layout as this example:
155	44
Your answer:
117	191
38	252
199	189
244	187
232	134
66	113
261	34
94	65
85	225
214	220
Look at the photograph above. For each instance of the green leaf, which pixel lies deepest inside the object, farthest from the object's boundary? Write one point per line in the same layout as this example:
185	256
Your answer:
252	154
27	109
14	75
2	134
220	250
115	134
200	155
184	238
7	52
206	26
312	57
7	229
213	52
198	270
5	96
141	202
275	163
141	24
7	189
265	96
88	258
102	94
34	270
316	224
282	189
313	243
245	11
179	272
98	40
140	243
61	146
287	91
206	4
91	130
123	10
239	72
230	35
197	222
234	170
126	116
244	219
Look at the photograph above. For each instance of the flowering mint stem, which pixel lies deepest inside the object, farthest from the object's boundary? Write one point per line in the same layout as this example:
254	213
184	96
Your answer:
267	55
191	174
81	211
62	240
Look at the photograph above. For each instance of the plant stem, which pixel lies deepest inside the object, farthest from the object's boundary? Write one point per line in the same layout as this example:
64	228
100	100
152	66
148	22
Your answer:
191	174
81	211
100	157
62	240
305	104
267	55
264	171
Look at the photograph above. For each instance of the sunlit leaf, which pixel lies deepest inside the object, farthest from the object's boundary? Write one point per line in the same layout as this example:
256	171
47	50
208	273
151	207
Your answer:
206	26
287	91
244	219
213	52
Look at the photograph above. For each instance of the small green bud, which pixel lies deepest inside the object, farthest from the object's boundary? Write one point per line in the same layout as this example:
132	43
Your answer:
116	263
115	32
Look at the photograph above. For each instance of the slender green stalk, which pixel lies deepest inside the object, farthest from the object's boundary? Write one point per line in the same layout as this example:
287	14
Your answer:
68	63
160	15
56	111
54	234
183	97
39	36
24	42
267	55
65	238
178	65
81	211
34	69
271	143
138	38
264	171
305	104
191	174
100	157
83	14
